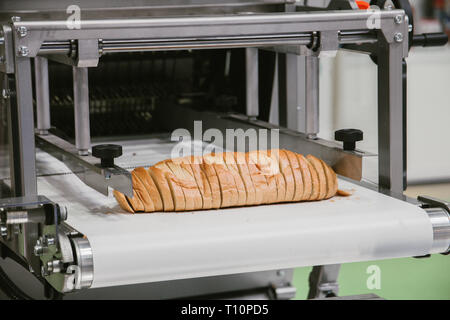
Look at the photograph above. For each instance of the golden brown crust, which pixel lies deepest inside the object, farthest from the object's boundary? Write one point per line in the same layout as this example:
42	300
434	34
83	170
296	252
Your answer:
280	182
123	203
267	167
182	170
259	181
213	180
315	182
298	179
330	180
230	162
136	203
163	187
142	192
175	188
285	168
321	175
306	176
149	184
241	163
226	181
202	182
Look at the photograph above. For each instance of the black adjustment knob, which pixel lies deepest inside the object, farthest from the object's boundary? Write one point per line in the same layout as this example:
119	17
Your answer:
107	153
349	137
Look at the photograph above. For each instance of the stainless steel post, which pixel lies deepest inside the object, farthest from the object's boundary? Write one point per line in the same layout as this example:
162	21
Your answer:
302	87
251	62
42	95
81	109
323	281
311	97
391	167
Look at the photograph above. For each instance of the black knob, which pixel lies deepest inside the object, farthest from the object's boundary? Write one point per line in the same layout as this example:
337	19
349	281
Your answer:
107	153
349	137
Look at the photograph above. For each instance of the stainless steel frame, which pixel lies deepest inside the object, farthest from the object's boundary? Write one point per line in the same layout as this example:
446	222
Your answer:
301	36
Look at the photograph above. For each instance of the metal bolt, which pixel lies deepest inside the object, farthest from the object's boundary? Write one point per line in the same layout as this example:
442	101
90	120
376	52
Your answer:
398	19
410	28
53	266
389	7
23	51
22	31
15	19
398	37
39	248
280	273
3	231
6	94
49	240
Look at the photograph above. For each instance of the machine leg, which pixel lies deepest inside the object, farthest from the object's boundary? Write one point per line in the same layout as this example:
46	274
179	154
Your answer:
42	95
391	148
23	157
81	109
323	281
251	63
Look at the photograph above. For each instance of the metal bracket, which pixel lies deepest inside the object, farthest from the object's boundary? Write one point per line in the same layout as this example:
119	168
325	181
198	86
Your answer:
6	50
87	167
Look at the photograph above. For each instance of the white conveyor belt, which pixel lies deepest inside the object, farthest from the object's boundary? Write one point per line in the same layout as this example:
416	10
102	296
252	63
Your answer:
139	248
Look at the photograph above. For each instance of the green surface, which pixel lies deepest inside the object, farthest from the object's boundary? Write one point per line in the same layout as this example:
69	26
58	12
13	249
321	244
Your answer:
406	278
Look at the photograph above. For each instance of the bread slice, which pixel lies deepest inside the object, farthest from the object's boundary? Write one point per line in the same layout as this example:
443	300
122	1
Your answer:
186	180
331	180
321	175
306	175
242	166
286	170
163	187
175	189
123	202
259	180
315	182
214	184
142	192
202	181
230	162
136	202
268	168
298	179
153	192
226	181
268	160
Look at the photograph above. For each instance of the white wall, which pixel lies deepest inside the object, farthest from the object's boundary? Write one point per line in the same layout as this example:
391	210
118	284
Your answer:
349	100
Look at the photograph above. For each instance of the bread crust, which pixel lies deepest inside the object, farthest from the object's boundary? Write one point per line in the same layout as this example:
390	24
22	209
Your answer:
330	179
175	188
285	168
268	168
226	181
136	202
321	175
306	176
298	179
123	202
315	182
259	181
142	192
213	180
182	170
230	162
242	166
149	184
202	182
163	187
